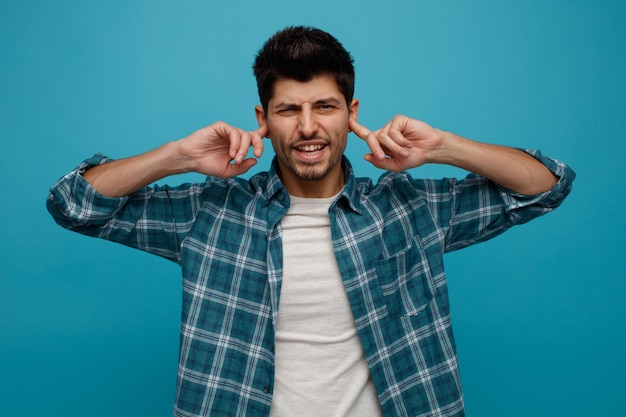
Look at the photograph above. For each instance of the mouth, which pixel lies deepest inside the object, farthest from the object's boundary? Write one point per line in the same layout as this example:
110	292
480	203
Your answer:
310	149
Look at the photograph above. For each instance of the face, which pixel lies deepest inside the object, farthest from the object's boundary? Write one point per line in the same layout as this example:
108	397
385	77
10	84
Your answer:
308	125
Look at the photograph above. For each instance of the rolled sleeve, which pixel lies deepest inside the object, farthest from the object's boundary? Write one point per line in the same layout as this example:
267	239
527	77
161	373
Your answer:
74	203
522	208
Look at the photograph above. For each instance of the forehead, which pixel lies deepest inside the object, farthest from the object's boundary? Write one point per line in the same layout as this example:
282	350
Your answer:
297	92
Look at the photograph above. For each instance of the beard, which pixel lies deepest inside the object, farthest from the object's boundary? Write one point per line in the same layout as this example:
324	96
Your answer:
311	170
310	173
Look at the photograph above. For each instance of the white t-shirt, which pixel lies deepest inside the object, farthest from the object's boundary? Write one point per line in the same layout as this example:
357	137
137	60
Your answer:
320	365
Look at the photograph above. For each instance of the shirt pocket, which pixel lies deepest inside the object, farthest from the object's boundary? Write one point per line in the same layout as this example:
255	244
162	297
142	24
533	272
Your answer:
406	281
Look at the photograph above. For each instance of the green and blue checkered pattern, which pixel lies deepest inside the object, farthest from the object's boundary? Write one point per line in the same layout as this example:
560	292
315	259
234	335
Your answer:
389	241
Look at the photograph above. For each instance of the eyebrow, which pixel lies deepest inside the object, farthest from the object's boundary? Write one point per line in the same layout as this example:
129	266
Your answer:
326	100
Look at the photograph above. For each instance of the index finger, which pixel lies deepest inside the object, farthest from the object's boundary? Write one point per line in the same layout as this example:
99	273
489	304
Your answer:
358	129
369	137
262	131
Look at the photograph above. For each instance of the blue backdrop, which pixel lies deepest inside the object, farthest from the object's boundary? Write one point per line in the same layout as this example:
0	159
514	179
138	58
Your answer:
88	328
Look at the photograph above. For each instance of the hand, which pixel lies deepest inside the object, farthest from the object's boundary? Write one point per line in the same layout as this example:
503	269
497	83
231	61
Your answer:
401	144
219	149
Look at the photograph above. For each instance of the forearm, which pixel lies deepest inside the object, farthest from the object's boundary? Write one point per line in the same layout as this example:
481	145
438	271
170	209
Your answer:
125	176
507	167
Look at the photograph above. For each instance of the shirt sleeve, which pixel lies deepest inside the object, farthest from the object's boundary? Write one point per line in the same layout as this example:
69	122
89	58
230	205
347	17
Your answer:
154	219
476	209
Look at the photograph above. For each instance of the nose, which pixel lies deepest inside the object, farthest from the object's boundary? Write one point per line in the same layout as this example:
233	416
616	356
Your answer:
307	123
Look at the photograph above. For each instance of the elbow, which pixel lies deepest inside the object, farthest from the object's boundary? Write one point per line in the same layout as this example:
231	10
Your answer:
542	185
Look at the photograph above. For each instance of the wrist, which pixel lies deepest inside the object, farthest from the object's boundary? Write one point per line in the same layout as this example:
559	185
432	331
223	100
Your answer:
175	159
449	149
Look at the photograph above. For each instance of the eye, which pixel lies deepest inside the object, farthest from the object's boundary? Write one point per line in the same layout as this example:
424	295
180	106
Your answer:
287	111
326	107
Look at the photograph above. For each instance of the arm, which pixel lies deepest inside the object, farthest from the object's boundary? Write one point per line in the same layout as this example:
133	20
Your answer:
405	143
154	219
208	151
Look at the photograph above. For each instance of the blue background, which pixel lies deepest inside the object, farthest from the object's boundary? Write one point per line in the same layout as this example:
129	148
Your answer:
89	328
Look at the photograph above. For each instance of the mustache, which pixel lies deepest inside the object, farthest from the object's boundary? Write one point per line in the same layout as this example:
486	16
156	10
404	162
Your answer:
304	138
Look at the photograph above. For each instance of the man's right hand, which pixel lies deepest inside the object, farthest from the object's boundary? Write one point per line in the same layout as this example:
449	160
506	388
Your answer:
218	150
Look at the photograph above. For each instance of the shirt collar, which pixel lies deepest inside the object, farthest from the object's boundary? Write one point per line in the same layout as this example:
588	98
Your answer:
274	186
350	194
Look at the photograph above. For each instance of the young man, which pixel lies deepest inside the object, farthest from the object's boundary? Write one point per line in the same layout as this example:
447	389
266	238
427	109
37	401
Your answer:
307	291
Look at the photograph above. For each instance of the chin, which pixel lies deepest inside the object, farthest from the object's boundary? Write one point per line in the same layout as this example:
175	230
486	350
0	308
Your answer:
311	174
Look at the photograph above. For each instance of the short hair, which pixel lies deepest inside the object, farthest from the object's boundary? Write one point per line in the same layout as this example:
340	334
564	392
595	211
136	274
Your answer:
301	53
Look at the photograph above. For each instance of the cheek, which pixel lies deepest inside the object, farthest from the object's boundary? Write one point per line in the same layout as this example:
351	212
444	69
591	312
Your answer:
277	131
339	131
340	125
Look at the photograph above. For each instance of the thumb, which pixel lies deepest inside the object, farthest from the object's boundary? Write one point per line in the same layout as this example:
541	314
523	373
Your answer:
234	170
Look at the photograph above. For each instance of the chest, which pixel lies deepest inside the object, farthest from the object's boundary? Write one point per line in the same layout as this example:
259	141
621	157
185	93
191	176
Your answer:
389	261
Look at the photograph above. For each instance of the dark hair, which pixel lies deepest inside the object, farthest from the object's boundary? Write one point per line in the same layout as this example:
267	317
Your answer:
302	53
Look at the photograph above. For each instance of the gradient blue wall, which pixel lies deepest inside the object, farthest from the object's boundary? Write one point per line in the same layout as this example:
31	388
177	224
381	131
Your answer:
88	328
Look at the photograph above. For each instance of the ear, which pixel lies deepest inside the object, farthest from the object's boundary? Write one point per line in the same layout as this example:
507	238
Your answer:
354	109
261	118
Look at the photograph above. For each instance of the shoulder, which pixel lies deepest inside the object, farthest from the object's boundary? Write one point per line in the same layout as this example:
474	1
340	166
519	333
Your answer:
219	190
397	183
402	190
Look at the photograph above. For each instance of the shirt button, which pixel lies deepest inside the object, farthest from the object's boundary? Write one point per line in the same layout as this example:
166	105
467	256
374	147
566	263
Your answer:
266	389
281	197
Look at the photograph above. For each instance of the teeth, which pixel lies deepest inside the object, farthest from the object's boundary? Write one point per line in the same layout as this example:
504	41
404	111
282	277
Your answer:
310	148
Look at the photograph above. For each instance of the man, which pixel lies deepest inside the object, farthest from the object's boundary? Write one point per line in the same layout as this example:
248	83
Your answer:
307	291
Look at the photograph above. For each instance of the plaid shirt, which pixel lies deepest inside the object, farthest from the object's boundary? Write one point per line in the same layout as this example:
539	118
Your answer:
389	240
